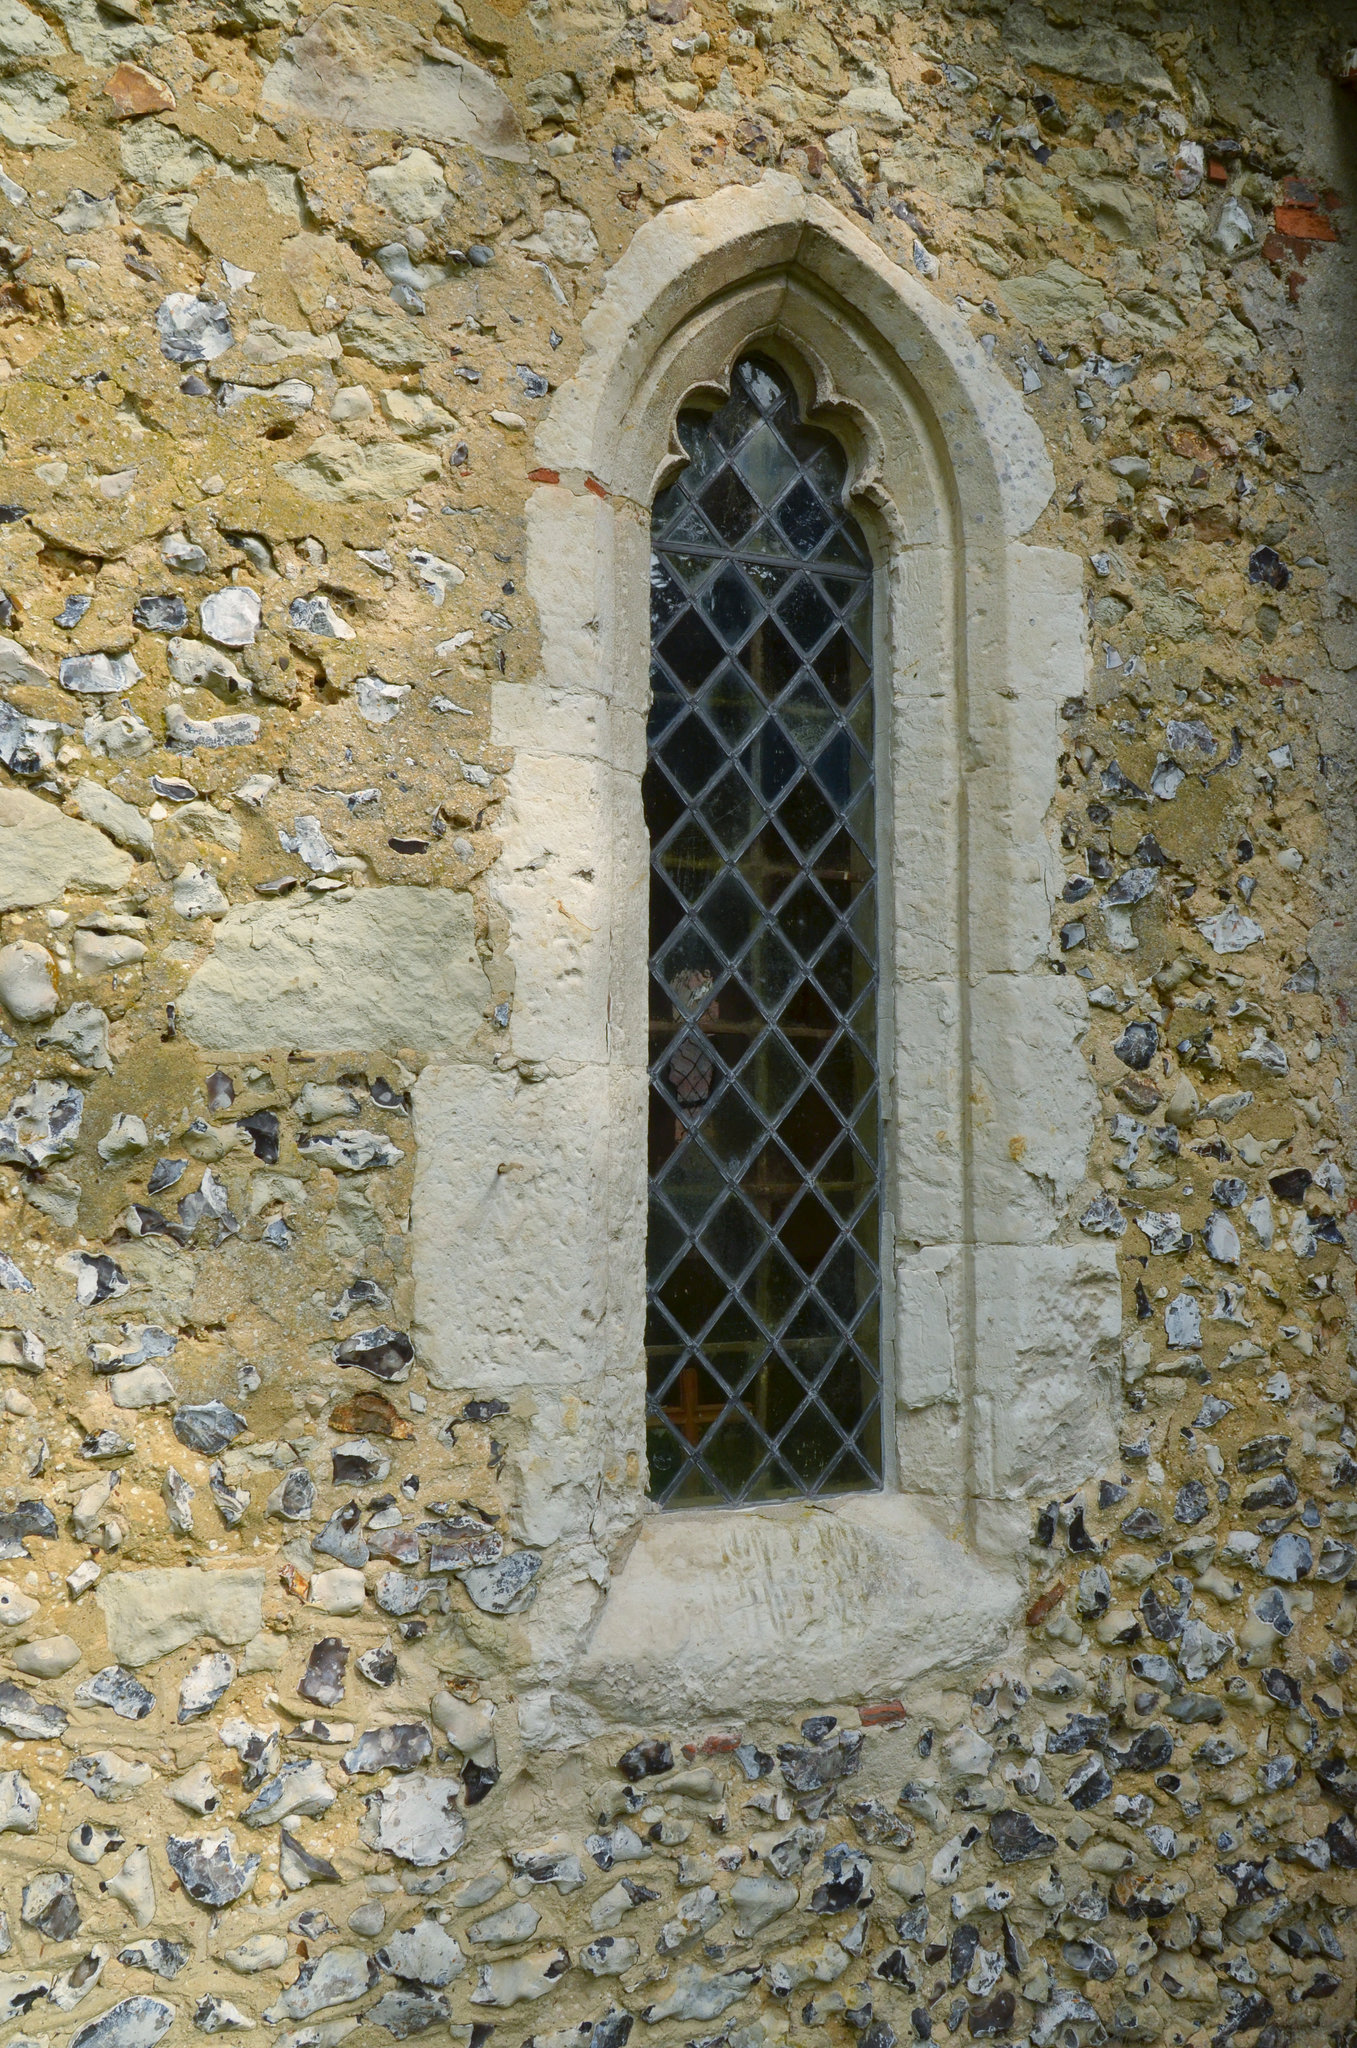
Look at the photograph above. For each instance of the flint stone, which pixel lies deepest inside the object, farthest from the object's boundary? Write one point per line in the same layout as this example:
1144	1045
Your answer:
20	1806
116	1688
356	1151
50	1905
299	1788
107	1775
322	1682
208	1426
698	1994
43	1124
505	1587
401	2013
213	2015
423	1954
205	1684
98	675
397	1747
193	330
133	2023
298	1866
209	1869
259	1952
162	1958
386	1353
232	615
335	1978
416	1819
1016	1838
25	1718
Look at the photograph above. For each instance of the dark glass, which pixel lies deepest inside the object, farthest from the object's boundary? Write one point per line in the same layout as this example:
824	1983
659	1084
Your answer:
763	1259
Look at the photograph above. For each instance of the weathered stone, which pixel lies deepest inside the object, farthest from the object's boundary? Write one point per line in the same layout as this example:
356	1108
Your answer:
43	852
394	967
369	70
150	1613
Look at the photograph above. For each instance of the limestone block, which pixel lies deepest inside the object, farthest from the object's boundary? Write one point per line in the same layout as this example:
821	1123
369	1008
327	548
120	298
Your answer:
1048	1321
390	967
927	1141
1034	1106
43	852
508	1294
364	68
149	1613
338	472
558	822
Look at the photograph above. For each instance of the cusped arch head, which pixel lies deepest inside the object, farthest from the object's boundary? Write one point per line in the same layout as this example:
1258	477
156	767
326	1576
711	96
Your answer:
933	431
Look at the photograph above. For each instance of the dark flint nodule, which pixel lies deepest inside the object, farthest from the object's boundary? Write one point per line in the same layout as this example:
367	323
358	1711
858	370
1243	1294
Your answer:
1016	1838
398	1747
646	1760
165	1173
1137	1045
1266	566
262	1130
379	1666
479	1781
160	614
162	1958
26	1518
384	1352
322	1682
116	1688
812	1770
207	1426
342	1536
208	1868
50	1905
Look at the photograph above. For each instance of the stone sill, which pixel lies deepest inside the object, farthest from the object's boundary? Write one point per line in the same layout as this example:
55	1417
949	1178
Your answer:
768	1610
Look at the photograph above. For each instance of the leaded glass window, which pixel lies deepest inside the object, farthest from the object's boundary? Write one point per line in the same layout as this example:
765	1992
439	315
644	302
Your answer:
763	1256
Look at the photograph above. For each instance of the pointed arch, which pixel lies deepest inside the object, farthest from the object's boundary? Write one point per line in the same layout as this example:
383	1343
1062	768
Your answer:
536	1260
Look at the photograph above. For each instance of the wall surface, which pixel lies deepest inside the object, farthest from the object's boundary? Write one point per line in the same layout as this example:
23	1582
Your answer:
348	1693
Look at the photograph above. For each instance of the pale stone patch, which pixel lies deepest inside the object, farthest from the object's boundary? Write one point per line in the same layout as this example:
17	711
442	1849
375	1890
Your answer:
149	1613
367	69
43	852
390	967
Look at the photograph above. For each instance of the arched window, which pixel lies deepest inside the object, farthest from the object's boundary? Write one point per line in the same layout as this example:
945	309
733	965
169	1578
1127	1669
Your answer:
763	1331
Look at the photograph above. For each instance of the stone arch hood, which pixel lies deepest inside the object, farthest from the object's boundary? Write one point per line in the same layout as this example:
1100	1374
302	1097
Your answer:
365	69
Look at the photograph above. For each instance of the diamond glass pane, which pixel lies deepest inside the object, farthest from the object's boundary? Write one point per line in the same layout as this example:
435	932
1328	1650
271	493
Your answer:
762	1337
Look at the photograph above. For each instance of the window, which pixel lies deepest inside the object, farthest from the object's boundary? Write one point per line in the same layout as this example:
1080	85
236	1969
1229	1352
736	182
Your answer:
763	1251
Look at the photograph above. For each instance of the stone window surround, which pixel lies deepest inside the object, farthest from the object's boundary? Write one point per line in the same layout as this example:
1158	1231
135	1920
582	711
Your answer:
530	1209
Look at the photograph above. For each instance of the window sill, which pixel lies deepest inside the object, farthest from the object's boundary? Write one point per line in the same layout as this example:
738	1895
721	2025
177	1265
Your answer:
771	1609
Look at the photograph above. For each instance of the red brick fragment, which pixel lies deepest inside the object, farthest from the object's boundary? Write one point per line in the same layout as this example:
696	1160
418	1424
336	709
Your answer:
134	91
1271	682
1304	224
591	483
544	476
721	1742
1045	1604
1216	172
882	1714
